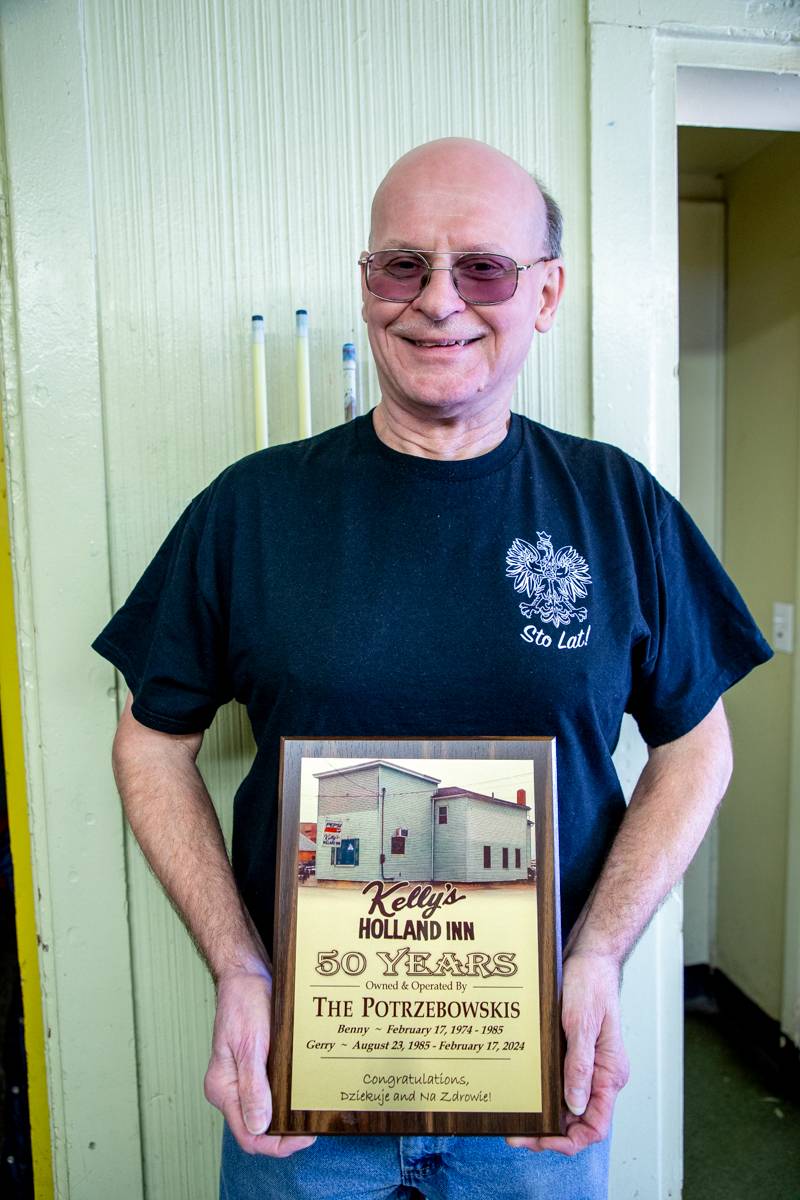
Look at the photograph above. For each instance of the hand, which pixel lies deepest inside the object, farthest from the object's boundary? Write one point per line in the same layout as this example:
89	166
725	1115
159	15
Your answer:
596	1065
236	1079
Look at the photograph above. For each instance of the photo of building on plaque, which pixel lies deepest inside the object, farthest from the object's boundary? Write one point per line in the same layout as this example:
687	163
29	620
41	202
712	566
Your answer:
454	820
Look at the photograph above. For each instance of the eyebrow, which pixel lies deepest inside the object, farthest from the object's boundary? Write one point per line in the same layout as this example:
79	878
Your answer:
483	248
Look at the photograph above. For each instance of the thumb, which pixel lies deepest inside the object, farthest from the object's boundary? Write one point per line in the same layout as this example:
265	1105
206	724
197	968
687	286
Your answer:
578	1070
254	1094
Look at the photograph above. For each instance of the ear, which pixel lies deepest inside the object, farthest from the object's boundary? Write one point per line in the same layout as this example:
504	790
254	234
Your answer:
552	289
364	292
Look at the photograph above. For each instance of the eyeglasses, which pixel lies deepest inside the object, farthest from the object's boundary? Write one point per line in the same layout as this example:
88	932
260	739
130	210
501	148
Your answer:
402	275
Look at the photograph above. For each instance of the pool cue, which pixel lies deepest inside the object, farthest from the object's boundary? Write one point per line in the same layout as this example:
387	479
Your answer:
303	376
349	373
260	382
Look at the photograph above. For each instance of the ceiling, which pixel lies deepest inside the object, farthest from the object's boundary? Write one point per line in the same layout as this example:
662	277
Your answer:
718	151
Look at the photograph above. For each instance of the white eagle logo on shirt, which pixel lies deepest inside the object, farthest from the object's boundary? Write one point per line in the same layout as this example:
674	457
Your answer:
553	579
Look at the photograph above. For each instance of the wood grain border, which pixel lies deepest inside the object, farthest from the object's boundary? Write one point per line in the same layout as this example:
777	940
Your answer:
285	1119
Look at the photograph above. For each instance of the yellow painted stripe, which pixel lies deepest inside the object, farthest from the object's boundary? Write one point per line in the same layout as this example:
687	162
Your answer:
11	709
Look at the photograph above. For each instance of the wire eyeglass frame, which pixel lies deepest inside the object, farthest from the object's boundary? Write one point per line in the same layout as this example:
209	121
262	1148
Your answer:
366	259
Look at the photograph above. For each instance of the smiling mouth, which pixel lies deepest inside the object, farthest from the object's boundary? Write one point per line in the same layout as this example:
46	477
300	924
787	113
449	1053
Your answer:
441	344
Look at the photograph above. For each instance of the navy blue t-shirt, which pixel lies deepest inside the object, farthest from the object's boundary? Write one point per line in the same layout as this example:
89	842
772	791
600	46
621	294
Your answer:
338	588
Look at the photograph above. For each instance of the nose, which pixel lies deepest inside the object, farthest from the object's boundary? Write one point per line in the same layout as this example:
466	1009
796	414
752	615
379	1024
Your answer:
439	299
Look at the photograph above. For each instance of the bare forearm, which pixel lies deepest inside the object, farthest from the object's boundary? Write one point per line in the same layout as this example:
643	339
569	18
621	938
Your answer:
671	808
173	819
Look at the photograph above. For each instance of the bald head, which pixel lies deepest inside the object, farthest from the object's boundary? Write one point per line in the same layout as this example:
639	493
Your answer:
454	175
437	352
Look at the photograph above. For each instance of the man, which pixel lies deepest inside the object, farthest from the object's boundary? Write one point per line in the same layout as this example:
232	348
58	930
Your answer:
411	574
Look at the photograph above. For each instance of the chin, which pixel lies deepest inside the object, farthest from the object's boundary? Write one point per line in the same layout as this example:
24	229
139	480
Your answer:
425	391
444	393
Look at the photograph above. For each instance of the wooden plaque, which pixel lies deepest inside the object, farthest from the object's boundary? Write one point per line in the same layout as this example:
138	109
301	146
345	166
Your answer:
417	948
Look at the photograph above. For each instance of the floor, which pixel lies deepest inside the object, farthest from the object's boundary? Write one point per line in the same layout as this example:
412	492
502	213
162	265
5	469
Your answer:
742	1130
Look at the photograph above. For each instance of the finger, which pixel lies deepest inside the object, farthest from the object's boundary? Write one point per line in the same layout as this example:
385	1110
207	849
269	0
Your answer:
270	1144
596	1121
593	1126
579	1134
562	1145
282	1145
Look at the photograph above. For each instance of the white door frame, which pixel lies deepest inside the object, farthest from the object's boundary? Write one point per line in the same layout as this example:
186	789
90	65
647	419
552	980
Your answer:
790	1006
59	535
634	64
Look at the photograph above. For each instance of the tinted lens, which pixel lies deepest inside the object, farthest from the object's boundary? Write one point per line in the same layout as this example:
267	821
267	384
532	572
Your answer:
394	275
485	278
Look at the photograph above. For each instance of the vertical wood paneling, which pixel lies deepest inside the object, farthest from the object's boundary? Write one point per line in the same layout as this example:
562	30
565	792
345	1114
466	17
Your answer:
235	148
52	425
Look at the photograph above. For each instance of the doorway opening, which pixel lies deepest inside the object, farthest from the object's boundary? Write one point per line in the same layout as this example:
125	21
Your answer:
739	284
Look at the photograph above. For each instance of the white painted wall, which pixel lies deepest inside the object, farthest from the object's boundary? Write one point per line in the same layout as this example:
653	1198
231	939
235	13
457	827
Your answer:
762	480
497	827
739	99
355	791
366	828
53	430
408	805
450	839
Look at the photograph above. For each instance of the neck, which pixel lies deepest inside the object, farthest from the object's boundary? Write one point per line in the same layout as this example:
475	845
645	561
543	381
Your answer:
436	436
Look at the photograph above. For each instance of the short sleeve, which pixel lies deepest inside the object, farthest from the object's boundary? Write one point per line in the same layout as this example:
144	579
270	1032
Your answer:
701	637
168	639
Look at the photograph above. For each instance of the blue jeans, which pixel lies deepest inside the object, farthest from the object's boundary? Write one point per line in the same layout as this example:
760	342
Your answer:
388	1168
